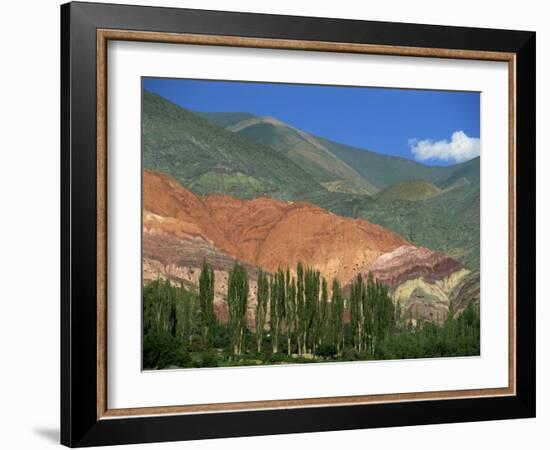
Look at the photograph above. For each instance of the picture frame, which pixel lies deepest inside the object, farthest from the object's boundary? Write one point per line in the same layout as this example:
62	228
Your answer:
86	29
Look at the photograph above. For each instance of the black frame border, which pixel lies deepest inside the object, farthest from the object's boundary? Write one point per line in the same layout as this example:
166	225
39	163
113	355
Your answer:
79	424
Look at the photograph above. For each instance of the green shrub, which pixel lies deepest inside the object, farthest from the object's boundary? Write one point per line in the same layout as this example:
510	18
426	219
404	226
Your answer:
209	360
161	350
326	351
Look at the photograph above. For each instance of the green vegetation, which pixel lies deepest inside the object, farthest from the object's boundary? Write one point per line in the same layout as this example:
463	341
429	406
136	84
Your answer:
372	314
456	337
209	159
465	173
261	308
206	302
181	330
448	222
346	187
225	119
235	184
337	316
308	153
237	298
409	190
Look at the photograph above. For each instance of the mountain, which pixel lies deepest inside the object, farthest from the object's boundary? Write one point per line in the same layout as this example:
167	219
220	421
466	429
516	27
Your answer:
409	190
384	170
181	230
465	173
433	206
306	151
378	169
263	157
210	159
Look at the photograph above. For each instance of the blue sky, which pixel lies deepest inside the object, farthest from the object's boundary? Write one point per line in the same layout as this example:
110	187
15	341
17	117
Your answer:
432	127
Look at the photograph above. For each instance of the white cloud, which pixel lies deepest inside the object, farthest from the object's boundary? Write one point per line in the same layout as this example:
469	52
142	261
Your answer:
461	148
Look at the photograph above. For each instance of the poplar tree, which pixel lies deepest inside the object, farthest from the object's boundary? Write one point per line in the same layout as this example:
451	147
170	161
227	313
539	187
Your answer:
274	313
186	312
237	300
385	313
379	317
369	315
337	315
281	300
206	301
261	307
290	308
323	315
160	316
311	300
357	312
300	320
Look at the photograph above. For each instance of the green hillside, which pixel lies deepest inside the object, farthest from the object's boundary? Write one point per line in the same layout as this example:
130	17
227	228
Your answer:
305	150
464	173
346	187
209	159
224	119
448	222
409	190
384	170
379	171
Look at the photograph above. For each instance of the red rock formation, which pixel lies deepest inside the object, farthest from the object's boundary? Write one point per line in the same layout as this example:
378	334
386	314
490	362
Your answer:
180	227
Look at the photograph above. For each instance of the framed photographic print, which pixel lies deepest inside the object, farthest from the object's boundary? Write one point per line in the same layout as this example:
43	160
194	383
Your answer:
276	224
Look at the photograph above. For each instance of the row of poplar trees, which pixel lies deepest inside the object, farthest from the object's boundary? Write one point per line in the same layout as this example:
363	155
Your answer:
295	312
299	310
300	316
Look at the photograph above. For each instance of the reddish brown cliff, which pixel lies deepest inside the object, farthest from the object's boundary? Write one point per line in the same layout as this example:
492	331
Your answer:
182	228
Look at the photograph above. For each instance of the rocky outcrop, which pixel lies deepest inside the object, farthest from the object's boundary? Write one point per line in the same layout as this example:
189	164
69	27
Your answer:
409	262
425	284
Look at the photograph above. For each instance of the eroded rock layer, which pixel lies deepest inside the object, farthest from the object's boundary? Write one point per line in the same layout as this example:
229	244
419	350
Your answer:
425	284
